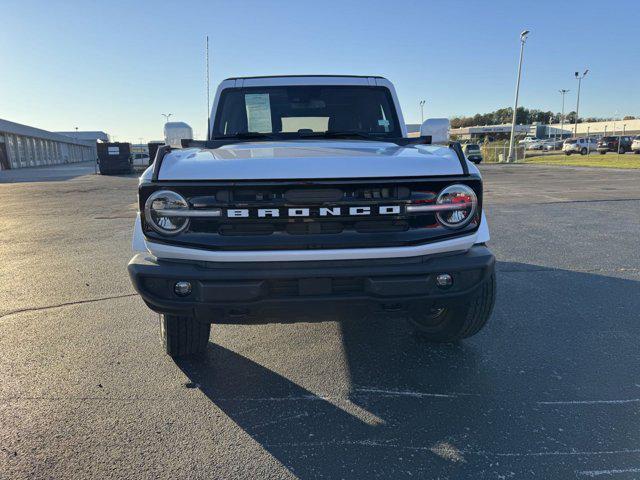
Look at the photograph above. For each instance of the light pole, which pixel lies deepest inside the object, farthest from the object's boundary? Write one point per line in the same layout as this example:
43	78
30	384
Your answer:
563	92
422	102
579	78
523	39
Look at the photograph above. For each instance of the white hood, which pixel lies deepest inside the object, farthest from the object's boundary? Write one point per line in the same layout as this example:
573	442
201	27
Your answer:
309	159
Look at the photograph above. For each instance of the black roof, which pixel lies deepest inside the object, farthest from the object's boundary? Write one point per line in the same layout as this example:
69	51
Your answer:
306	75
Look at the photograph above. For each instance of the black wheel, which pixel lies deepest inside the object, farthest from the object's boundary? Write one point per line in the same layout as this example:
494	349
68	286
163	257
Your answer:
567	153
183	336
603	152
451	323
622	150
583	151
636	152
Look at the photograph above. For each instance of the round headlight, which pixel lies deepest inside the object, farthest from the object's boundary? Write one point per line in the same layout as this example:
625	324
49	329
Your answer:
459	204
162	211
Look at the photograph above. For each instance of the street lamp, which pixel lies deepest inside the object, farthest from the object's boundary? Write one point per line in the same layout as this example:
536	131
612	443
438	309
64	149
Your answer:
579	78
422	102
563	92
166	116
523	39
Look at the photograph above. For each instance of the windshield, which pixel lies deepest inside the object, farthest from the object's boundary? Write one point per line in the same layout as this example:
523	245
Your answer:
570	142
608	139
473	147
298	111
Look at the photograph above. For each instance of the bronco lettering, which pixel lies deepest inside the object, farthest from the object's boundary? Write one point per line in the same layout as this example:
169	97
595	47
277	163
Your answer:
308	212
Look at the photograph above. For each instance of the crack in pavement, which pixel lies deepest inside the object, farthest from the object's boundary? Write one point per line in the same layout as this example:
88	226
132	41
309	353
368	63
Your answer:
65	304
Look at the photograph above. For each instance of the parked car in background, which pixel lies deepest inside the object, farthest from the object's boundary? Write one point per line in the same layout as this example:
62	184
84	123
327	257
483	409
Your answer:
537	145
527	140
140	160
472	151
579	145
553	144
635	145
617	144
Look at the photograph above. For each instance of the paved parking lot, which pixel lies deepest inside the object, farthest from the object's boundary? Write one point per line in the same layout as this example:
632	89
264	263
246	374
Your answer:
550	389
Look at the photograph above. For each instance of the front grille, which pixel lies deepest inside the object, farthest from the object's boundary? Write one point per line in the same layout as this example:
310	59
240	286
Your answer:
246	229
328	223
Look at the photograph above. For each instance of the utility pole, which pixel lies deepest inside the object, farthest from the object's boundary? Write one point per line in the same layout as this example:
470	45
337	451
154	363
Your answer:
422	102
579	78
563	92
523	39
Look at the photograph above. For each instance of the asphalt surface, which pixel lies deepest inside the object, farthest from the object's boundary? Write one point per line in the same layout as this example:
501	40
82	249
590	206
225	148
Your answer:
549	389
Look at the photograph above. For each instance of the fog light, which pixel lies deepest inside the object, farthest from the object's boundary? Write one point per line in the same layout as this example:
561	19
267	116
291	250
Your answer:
182	288
444	280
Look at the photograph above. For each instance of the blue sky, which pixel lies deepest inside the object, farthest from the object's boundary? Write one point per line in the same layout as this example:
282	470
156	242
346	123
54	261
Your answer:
116	66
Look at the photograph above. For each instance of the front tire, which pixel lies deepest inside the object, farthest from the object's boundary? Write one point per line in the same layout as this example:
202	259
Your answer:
583	151
451	323
183	336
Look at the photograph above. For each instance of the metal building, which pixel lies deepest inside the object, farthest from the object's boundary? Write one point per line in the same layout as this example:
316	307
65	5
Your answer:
23	146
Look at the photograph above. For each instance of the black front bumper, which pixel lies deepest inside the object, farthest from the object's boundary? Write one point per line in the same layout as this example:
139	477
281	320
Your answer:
220	288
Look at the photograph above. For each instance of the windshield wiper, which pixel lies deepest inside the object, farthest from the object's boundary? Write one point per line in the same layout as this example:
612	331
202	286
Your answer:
341	134
243	136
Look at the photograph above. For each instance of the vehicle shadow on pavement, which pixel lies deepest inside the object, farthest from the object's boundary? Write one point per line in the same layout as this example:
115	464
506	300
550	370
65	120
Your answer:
499	402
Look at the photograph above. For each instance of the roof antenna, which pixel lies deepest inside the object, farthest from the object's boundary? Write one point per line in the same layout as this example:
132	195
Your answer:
207	81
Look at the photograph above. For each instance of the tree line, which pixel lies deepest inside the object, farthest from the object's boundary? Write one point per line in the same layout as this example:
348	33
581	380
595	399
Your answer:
523	116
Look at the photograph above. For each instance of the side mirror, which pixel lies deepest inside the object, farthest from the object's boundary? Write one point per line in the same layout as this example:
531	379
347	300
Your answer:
437	128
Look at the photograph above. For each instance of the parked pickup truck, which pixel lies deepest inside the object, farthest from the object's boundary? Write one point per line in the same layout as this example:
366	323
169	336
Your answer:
308	191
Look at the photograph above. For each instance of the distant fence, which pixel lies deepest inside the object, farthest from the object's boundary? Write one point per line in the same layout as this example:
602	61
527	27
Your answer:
494	152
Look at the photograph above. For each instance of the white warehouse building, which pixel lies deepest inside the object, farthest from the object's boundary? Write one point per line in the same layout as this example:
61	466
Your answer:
24	146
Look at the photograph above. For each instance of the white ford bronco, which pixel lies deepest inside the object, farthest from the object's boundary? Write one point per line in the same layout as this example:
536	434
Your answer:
309	190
